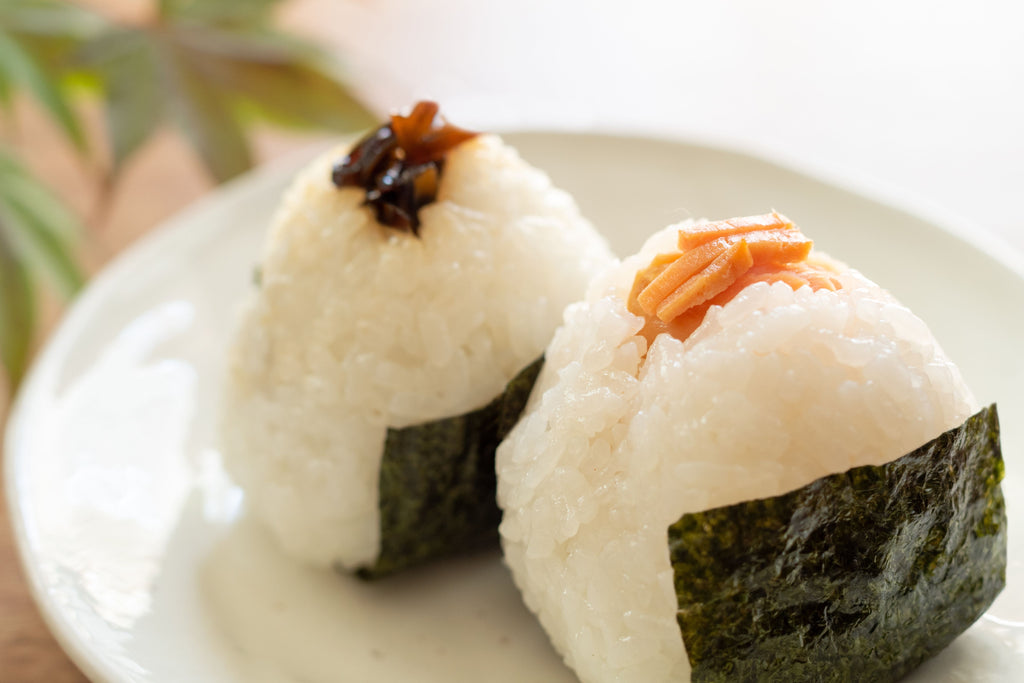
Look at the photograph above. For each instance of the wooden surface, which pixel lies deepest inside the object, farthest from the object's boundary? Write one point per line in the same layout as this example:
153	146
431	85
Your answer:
27	650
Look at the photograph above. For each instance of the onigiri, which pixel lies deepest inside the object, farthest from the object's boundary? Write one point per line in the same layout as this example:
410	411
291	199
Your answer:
729	362
404	283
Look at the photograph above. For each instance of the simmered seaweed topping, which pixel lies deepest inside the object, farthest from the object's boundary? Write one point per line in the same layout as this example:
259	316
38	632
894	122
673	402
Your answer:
400	164
858	576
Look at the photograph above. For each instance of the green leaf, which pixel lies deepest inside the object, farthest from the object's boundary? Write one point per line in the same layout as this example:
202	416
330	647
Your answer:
42	246
38	229
239	13
54	18
277	78
135	95
50	31
5	91
212	67
252	44
298	95
17	313
21	68
134	110
209	122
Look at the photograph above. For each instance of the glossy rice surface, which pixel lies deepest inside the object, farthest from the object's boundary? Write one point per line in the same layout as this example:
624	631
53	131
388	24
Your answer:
773	390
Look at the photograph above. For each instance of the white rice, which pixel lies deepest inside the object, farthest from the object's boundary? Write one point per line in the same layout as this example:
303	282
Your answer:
775	389
357	327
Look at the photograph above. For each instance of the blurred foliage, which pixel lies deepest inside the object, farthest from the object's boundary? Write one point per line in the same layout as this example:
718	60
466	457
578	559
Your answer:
37	39
37	237
212	68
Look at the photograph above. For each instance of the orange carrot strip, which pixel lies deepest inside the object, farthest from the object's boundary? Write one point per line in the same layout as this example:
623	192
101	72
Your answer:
713	280
660	261
644	277
715	263
678	272
697	235
776	246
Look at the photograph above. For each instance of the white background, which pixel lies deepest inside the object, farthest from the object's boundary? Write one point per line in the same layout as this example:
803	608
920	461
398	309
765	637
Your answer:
919	100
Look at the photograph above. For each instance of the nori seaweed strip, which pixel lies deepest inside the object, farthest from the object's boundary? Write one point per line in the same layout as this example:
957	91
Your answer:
437	482
857	576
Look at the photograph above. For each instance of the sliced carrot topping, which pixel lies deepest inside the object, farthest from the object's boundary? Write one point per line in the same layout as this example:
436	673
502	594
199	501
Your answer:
705	232
680	328
777	246
672	276
647	275
713	280
715	262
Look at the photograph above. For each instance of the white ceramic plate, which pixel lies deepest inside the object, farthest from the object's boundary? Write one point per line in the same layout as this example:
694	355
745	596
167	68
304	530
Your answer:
135	543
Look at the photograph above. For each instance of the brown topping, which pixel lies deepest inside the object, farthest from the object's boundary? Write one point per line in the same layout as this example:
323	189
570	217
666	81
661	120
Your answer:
715	262
400	164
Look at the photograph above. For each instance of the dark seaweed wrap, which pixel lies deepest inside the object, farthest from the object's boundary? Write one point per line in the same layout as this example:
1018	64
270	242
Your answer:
858	576
437	482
